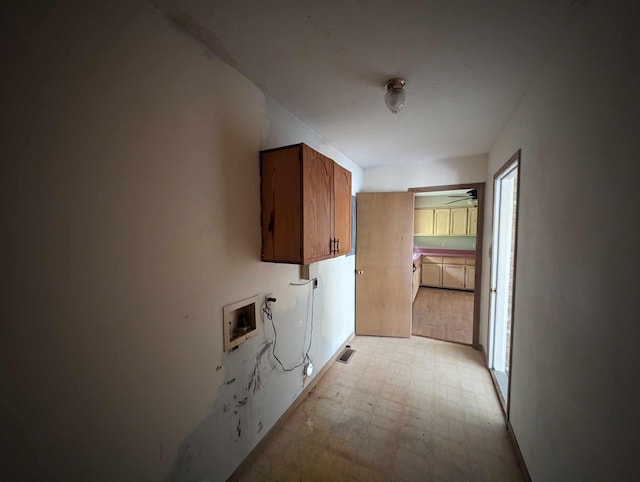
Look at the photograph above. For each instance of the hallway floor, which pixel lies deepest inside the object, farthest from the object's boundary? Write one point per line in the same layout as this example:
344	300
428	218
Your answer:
405	409
444	314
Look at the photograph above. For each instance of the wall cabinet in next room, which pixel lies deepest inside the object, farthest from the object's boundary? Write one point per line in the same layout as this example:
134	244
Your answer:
306	206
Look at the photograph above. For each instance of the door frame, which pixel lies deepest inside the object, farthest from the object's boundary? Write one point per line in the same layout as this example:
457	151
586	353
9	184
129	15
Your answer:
480	187
506	404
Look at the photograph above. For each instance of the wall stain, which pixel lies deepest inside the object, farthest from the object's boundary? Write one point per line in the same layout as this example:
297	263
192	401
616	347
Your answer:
238	429
257	377
206	450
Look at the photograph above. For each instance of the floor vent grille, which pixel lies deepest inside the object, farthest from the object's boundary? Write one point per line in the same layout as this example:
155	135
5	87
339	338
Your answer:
346	355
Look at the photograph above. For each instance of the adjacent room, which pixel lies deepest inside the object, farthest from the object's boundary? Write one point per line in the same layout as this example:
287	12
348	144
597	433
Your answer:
445	228
217	216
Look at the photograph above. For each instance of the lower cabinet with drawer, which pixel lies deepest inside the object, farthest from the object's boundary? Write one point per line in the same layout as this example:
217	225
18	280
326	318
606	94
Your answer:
448	272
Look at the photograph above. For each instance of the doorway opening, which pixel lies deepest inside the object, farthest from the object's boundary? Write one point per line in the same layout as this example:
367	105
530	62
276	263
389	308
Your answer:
447	260
503	261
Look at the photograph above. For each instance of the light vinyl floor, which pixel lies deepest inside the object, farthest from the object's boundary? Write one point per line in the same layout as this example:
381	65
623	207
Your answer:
444	314
403	409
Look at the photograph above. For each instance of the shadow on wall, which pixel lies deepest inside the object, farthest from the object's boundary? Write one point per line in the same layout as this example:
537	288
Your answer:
250	400
241	194
207	452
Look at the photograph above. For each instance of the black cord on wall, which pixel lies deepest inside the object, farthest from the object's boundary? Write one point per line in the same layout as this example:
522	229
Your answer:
268	312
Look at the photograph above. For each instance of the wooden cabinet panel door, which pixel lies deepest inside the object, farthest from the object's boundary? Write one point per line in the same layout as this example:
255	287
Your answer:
431	275
342	196
453	276
423	222
317	189
470	278
472	227
416	280
384	233
281	195
441	222
458	221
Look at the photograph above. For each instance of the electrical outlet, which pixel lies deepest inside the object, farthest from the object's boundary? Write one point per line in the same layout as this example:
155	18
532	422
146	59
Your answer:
269	298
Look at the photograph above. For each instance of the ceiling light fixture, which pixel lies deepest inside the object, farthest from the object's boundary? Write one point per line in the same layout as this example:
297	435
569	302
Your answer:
394	98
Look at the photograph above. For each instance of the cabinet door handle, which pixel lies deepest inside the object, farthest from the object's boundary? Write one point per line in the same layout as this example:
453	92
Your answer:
338	245
360	271
332	243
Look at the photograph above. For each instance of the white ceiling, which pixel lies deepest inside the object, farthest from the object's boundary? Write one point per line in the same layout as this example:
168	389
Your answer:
467	64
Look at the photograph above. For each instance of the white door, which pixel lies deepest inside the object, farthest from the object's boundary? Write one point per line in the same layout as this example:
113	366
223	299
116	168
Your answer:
505	212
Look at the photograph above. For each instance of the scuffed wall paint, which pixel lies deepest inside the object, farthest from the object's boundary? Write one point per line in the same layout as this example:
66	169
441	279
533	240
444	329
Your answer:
131	204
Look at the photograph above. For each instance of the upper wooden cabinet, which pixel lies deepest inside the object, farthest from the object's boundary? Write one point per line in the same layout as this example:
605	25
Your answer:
342	209
423	222
441	220
306	206
445	221
458	222
472	226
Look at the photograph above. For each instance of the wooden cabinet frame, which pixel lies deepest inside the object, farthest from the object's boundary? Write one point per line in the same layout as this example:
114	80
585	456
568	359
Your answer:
306	208
443	221
480	187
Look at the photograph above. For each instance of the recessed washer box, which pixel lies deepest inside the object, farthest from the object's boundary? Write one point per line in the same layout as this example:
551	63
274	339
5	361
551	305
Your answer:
240	322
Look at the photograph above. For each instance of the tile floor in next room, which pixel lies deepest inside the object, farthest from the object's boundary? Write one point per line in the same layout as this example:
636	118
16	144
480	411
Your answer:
402	409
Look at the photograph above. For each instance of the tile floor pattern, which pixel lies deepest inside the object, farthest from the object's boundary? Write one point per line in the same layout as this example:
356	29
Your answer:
403	409
443	314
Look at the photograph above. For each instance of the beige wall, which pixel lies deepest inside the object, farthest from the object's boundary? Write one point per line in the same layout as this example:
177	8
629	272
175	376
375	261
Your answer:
444	172
130	197
575	396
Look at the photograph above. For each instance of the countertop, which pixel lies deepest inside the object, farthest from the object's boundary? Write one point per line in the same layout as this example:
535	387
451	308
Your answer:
449	253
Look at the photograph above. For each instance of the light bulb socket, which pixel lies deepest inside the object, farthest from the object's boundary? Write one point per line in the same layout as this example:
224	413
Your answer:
395	96
396	83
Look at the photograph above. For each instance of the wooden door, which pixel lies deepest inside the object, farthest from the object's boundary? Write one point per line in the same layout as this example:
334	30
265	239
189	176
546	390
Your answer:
453	276
431	274
317	175
470	278
441	222
384	263
459	221
342	200
281	202
417	275
423	222
472	227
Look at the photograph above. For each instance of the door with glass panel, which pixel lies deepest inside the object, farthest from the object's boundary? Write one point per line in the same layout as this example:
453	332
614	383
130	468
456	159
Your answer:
503	264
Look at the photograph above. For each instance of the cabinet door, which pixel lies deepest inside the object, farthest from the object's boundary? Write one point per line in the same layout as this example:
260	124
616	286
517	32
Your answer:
280	173
317	175
431	274
470	278
472	224
342	201
423	222
417	274
453	276
441	222
458	221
